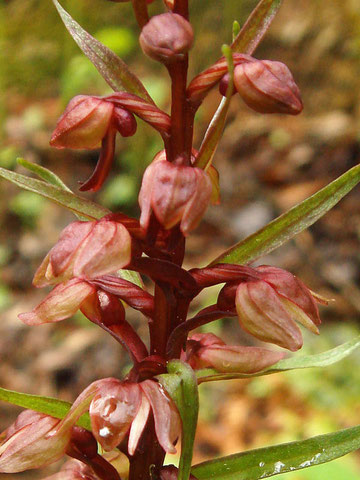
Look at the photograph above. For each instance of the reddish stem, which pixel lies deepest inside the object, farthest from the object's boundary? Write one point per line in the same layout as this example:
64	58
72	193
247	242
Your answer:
178	336
141	12
178	74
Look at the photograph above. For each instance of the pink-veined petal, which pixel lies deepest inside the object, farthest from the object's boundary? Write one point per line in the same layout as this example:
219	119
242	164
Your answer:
138	424
261	314
166	416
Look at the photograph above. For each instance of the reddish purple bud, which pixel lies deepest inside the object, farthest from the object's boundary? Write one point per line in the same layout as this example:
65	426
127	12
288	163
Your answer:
175	194
206	350
170	472
124	122
223	85
167	37
268	87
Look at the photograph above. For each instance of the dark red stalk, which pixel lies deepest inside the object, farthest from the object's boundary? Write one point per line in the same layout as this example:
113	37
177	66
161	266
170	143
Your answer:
141	12
178	336
149	455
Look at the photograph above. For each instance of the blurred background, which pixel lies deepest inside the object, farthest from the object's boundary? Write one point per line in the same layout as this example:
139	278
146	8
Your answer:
267	164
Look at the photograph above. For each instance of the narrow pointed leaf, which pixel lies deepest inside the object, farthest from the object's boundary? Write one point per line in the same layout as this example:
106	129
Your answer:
292	222
296	362
114	70
50	406
78	205
256	26
287	457
181	385
44	173
217	124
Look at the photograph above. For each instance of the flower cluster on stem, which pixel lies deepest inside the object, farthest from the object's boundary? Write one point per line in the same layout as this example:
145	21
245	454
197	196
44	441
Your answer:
134	415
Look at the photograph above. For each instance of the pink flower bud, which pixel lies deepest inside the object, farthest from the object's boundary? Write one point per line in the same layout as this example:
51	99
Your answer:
175	194
86	250
269	307
90	122
29	443
124	122
84	123
206	350
268	87
167	37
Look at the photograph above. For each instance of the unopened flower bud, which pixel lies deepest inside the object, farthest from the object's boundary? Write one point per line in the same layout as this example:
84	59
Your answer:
84	123
91	122
175	194
268	87
167	37
205	350
269	307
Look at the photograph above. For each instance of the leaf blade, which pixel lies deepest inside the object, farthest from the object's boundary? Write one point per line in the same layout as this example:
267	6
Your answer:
114	70
44	173
216	127
273	460
291	222
256	26
181	385
48	405
296	362
76	204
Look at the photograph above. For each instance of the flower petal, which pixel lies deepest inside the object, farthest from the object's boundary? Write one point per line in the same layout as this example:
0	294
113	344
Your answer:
60	304
105	250
166	416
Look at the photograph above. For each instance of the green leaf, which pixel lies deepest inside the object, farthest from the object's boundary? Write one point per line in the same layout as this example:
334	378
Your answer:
114	70
295	362
50	406
181	385
256	26
292	222
286	457
78	205
217	124
44	173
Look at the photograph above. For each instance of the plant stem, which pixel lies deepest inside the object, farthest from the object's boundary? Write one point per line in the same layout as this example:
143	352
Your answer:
178	74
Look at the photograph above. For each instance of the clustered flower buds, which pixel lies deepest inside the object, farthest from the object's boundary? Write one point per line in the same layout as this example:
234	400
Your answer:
265	86
135	413
167	37
89	122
